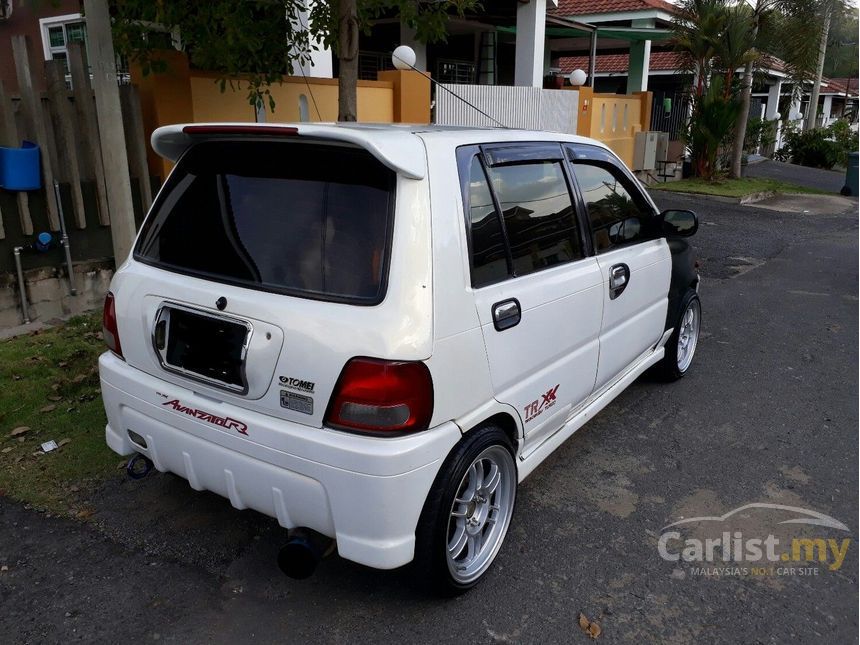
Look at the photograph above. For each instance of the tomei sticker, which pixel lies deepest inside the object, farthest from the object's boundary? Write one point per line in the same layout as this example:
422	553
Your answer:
301	385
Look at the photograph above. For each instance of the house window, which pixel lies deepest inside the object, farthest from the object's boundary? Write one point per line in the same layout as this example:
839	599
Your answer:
455	71
58	32
371	63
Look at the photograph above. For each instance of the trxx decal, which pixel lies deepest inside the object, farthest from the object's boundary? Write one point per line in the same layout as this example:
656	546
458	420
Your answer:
537	407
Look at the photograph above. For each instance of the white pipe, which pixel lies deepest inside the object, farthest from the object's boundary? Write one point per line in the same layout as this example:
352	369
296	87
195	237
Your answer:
24	308
64	241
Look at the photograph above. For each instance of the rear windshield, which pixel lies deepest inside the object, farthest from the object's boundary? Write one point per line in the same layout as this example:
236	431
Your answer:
302	219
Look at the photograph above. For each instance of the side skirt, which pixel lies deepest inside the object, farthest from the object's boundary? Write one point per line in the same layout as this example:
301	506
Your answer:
545	449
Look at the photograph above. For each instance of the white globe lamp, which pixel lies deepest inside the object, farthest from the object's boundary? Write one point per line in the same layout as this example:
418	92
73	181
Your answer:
577	77
403	57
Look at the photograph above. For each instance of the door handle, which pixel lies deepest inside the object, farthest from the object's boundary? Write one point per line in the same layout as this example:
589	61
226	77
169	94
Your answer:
619	277
506	314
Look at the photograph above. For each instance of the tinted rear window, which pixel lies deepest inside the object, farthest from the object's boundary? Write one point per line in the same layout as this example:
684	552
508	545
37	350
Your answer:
302	219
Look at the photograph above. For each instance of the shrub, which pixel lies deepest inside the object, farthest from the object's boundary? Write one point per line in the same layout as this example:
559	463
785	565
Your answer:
819	148
844	137
760	132
812	148
710	128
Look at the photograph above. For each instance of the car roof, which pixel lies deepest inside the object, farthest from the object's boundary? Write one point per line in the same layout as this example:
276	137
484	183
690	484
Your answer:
397	145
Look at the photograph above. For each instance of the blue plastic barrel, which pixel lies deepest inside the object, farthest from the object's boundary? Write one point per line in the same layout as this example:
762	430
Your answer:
19	167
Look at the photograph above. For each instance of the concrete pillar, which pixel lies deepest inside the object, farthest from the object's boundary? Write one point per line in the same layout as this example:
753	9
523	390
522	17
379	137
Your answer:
773	93
407	37
584	118
794	113
112	134
826	108
547	59
320	63
531	33
411	95
640	60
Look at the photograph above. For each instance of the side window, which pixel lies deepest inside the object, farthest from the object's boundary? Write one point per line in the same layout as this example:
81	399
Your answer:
539	218
489	257
618	215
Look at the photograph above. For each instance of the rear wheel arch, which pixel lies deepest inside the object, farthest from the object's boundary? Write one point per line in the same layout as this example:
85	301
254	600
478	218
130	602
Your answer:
432	565
505	422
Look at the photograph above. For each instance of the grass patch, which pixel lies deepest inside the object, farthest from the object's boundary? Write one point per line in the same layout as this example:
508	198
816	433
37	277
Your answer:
735	187
50	384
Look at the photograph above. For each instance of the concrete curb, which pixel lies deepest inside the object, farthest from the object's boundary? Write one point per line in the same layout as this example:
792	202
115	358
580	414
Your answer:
714	198
756	197
752	198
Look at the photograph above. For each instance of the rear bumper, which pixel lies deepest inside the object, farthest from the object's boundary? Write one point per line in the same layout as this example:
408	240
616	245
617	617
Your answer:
365	492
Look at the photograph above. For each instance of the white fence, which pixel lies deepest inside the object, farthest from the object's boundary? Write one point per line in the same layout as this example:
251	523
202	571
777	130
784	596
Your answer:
530	108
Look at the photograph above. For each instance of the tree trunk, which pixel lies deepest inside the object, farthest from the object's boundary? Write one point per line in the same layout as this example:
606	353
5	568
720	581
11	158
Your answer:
812	112
741	123
347	54
746	96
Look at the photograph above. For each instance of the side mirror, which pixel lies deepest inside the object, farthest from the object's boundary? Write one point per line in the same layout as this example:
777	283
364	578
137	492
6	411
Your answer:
677	223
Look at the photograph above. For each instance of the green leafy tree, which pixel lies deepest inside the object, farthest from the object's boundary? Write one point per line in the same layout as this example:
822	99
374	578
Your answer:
725	35
796	31
842	46
258	40
716	38
338	23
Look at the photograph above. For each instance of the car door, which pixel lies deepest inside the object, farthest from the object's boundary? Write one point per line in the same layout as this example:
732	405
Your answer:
634	259
539	296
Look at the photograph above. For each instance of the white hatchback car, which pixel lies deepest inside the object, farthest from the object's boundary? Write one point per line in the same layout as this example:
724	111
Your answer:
374	333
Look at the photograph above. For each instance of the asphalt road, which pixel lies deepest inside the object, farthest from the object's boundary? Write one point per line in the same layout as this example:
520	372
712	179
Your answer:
829	180
768	414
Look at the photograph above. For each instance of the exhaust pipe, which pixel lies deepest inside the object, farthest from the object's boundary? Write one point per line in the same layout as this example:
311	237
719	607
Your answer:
299	557
139	466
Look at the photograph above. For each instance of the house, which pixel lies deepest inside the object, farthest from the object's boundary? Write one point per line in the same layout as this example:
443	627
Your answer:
839	100
50	26
669	80
630	29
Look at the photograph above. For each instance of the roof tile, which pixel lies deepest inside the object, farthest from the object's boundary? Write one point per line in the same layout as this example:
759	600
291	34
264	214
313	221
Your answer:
660	61
589	7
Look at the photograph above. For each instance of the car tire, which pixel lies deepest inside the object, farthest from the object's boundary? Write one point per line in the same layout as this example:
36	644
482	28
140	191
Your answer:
467	513
681	346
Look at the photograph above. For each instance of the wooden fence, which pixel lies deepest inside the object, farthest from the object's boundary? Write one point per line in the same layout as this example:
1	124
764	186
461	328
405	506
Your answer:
63	122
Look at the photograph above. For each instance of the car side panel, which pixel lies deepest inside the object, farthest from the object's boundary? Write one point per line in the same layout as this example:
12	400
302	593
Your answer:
546	365
633	322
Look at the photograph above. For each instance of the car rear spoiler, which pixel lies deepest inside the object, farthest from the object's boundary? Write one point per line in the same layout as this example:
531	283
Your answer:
398	149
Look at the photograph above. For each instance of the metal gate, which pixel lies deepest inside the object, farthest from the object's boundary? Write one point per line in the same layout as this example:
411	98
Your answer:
530	108
673	120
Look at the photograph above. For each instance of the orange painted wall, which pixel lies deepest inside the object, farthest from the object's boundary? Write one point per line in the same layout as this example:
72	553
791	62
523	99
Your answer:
375	100
614	119
182	95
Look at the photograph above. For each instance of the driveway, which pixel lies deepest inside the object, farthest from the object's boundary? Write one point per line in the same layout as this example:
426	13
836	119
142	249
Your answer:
829	180
767	415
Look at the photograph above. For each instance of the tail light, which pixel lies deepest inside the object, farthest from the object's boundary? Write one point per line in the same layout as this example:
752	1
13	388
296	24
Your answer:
109	327
382	397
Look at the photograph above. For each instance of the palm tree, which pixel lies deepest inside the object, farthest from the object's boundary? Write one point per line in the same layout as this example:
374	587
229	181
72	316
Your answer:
697	27
716	38
796	32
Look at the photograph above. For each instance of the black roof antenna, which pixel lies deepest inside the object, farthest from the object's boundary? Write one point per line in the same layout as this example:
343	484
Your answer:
451	92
